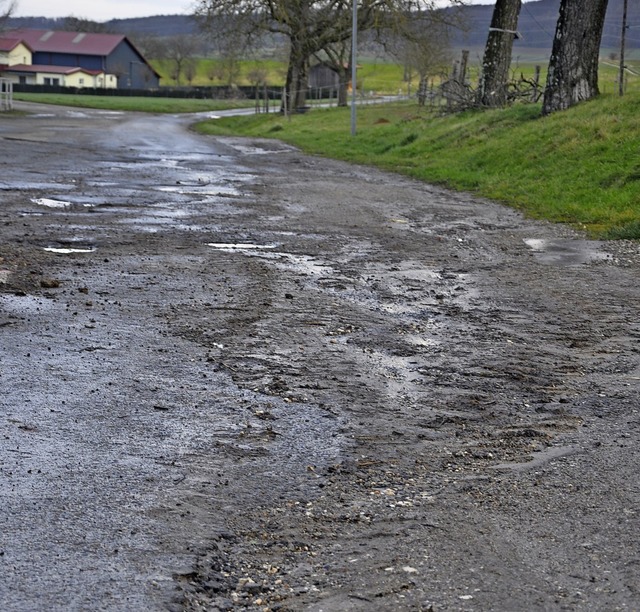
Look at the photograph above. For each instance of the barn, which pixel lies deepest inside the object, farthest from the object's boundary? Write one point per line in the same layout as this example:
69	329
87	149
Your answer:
94	53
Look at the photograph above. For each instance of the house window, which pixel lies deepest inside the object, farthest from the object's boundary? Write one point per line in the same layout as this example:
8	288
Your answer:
47	81
81	81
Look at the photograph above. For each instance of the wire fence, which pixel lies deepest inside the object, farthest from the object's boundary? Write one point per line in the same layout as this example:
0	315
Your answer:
276	100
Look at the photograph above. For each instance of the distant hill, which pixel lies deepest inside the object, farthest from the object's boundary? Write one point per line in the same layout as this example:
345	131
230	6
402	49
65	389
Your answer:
160	25
537	25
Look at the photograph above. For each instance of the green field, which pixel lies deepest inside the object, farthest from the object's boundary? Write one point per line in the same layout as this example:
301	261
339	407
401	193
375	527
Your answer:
378	76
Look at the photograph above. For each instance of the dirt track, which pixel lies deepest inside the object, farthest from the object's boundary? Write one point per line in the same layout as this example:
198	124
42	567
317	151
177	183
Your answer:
271	381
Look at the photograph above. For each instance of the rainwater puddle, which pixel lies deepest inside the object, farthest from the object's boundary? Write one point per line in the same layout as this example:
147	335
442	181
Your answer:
539	458
566	252
198	188
302	264
29	186
51	203
248	150
231	247
69	250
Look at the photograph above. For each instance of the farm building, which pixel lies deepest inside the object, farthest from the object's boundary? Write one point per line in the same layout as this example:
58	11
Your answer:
74	59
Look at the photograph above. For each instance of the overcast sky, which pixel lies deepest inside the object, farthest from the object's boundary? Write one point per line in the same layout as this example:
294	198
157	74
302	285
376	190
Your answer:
103	10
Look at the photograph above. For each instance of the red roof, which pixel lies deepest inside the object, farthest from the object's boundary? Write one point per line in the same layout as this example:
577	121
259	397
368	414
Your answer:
9	43
80	43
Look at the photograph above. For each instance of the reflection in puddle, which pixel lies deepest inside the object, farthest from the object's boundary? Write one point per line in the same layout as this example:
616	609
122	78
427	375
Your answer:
566	252
68	250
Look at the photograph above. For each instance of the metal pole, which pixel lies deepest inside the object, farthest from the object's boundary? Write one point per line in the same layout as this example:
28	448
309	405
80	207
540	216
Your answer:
354	45
622	43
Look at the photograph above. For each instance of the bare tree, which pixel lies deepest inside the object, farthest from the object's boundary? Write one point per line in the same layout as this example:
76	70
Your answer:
7	8
152	47
309	26
423	47
496	61
190	70
573	68
181	49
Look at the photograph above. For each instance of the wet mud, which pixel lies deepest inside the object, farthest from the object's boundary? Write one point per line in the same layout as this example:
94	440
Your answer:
237	377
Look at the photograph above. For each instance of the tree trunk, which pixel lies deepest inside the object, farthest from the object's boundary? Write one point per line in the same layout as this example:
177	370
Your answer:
297	79
497	53
573	67
343	85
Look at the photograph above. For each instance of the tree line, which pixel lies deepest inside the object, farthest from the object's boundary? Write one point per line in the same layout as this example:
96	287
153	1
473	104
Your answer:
415	31
322	28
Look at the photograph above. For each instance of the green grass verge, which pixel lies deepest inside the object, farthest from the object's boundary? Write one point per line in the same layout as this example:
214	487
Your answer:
133	103
578	167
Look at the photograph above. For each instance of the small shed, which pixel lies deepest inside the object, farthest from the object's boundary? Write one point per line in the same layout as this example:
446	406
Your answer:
323	76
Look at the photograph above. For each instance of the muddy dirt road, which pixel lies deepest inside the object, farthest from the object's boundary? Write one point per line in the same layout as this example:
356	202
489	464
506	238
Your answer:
237	377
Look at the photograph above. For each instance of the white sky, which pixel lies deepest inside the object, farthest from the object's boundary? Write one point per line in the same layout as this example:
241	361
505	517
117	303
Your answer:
103	10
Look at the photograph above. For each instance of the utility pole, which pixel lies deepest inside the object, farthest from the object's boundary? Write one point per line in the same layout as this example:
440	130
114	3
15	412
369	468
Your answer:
354	64
622	45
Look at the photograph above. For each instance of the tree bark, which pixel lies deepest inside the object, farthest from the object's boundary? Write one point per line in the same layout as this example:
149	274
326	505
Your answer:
497	53
297	79
573	67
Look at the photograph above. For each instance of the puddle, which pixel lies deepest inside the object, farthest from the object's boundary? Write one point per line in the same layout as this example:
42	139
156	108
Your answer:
209	189
539	458
34	185
303	264
256	150
51	203
69	250
228	246
566	252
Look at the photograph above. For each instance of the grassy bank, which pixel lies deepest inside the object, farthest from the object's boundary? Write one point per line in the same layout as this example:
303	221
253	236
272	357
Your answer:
578	167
